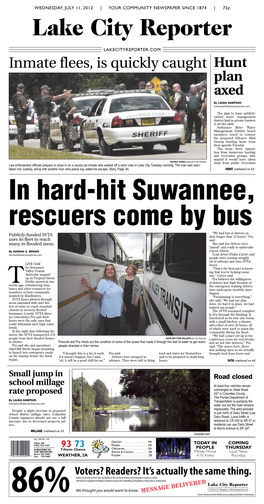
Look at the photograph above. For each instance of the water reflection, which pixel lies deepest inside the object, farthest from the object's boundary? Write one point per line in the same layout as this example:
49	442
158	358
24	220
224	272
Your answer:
129	420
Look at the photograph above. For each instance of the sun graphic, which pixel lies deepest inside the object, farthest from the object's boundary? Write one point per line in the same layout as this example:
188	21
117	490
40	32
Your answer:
99	447
95	444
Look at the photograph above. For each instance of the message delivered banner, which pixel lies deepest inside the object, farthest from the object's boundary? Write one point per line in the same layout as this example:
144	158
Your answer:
126	480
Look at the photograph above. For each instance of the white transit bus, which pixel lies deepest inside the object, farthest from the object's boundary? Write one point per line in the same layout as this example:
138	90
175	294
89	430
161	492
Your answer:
84	255
174	284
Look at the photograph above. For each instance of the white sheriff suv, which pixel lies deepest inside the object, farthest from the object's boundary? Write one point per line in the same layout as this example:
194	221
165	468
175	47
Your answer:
130	118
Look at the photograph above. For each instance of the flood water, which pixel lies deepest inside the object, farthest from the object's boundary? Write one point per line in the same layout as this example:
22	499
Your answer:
132	420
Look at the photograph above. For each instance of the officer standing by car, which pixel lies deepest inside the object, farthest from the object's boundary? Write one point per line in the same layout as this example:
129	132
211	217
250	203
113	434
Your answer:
43	106
203	111
164	92
20	105
179	105
66	112
193	110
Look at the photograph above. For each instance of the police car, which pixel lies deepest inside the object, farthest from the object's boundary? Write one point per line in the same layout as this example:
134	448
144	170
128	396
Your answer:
131	118
32	128
83	103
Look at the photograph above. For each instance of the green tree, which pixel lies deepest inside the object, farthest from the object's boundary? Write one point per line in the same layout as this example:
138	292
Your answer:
83	395
81	82
101	397
176	390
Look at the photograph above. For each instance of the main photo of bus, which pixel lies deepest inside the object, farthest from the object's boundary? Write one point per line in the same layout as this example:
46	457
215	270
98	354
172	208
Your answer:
172	272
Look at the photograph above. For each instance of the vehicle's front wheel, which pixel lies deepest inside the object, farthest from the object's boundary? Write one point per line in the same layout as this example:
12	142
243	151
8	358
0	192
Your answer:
105	149
52	145
85	148
174	146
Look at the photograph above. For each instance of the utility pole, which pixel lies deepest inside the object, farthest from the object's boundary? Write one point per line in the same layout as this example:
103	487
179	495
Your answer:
82	392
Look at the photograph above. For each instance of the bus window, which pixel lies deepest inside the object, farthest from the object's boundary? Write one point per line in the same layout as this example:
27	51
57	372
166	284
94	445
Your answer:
138	263
118	254
186	256
125	259
157	253
72	242
148	252
103	246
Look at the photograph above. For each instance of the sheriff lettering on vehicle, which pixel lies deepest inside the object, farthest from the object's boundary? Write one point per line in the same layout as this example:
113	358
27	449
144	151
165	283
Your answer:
131	118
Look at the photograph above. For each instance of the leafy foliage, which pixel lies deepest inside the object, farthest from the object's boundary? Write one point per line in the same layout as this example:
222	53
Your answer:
101	394
83	395
79	82
175	390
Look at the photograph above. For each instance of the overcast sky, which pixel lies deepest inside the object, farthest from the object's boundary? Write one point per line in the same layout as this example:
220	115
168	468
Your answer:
132	243
109	377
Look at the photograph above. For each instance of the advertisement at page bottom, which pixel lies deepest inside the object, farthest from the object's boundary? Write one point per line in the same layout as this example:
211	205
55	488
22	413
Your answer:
131	250
126	480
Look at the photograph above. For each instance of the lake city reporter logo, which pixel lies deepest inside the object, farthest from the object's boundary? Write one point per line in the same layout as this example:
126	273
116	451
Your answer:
98	447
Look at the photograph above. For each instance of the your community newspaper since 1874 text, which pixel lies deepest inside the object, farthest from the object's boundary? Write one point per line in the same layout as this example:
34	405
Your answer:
131	250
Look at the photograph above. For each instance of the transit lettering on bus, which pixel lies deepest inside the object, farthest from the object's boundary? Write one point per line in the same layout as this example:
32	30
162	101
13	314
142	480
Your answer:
179	308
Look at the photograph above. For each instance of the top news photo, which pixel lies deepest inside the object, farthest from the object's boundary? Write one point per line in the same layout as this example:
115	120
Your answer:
132	116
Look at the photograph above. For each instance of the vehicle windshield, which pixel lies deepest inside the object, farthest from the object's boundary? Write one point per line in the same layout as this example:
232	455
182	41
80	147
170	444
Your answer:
143	102
85	103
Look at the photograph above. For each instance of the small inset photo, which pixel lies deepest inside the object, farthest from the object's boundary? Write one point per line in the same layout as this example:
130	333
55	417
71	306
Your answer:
173	448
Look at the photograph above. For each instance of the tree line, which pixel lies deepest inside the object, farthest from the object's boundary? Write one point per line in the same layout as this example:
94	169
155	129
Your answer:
182	391
81	82
88	397
85	397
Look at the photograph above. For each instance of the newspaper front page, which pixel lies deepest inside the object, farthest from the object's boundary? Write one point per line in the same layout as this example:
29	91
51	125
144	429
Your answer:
131	307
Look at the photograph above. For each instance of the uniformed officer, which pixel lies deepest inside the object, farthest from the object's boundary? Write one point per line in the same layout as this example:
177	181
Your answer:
122	87
203	112
142	85
43	106
164	92
20	105
66	112
193	110
179	105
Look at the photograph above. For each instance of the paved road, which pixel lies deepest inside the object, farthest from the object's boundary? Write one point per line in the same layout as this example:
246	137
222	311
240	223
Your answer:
142	325
187	151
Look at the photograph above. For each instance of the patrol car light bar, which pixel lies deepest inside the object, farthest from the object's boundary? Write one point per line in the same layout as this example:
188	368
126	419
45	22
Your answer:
127	91
108	92
91	93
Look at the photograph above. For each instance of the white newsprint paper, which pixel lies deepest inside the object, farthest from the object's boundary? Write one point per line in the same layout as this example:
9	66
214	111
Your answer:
131	250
